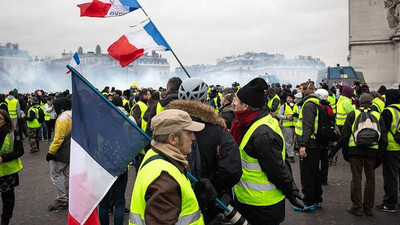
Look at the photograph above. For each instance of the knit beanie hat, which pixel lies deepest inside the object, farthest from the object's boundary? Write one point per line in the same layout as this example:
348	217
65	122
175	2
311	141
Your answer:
228	93
392	96
35	100
15	91
347	91
253	93
366	99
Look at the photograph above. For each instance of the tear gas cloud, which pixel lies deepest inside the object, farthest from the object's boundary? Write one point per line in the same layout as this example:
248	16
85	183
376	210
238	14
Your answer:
51	78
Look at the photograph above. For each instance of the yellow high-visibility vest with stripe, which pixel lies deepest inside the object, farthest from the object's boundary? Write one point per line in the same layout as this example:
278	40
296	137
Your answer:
341	114
12	108
35	122
46	115
290	111
272	100
357	112
190	211
254	188
379	104
299	125
143	108
392	144
13	166
332	102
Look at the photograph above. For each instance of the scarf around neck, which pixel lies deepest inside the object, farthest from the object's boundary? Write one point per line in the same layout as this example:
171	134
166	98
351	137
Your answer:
171	151
242	122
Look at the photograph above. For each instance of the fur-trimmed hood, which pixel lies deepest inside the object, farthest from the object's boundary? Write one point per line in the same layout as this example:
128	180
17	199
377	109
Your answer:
204	112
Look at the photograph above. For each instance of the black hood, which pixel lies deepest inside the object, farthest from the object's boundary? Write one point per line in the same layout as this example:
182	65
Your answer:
392	97
62	104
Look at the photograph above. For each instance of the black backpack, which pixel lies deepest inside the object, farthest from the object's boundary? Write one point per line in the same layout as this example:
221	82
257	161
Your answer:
41	114
367	130
326	126
396	135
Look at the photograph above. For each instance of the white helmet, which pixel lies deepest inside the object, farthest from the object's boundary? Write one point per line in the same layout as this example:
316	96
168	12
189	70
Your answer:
322	94
193	89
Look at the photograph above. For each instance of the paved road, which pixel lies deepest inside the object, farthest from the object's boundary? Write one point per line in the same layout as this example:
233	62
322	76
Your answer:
36	192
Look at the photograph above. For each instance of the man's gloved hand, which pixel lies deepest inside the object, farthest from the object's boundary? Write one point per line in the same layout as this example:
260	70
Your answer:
50	156
293	199
205	192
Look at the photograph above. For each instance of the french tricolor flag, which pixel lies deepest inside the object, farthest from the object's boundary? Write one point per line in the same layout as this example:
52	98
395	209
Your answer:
103	142
108	8
131	46
74	61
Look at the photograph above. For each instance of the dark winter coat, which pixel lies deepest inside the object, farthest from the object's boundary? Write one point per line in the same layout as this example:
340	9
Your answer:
226	113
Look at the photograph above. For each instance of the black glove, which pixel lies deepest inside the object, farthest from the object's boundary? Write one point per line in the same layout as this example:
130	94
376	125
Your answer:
293	199
50	156
205	192
226	199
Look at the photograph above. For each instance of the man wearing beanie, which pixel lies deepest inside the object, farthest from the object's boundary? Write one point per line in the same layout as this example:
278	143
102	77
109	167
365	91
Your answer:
391	161
344	107
267	178
367	157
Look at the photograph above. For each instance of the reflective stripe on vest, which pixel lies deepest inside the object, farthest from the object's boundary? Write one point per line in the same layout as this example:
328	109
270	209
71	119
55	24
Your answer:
12	108
254	188
159	108
299	124
341	114
190	210
392	144
352	142
289	111
379	104
35	122
272	101
13	166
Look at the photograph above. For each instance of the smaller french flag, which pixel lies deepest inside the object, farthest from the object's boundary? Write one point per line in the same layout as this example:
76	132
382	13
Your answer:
131	46
74	61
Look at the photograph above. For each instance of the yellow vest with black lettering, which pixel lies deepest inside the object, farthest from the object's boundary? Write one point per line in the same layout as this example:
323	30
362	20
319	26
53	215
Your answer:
332	102
254	188
357	112
392	144
13	166
379	104
35	122
299	125
290	111
190	210
12	108
272	100
159	108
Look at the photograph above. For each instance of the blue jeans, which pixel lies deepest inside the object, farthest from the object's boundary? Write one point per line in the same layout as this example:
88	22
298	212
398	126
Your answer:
118	191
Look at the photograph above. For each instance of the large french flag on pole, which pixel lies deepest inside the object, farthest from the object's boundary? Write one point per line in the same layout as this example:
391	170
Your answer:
131	46
108	8
103	142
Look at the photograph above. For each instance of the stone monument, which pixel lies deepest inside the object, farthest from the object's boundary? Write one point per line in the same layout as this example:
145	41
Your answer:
374	40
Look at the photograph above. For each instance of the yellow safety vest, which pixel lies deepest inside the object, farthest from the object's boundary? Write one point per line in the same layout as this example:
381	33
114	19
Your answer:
299	125
254	188
332	102
341	114
216	104
272	100
12	108
379	104
46	115
290	111
392	144
159	108
13	166
35	122
124	102
190	211
352	142
143	108
4	103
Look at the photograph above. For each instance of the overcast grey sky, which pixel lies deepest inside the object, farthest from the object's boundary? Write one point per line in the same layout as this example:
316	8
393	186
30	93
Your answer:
199	31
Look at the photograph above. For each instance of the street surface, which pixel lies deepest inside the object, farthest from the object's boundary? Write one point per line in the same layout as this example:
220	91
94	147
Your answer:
36	192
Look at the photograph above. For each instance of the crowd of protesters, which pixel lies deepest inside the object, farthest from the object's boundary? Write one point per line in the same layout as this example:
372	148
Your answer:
242	153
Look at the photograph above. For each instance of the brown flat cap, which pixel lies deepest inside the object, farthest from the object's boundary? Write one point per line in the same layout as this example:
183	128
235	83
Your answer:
173	120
